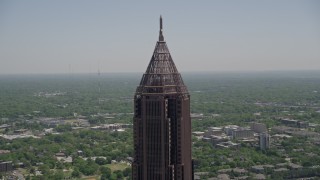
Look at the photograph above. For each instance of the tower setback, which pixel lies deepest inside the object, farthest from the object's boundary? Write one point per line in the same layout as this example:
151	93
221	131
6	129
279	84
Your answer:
162	123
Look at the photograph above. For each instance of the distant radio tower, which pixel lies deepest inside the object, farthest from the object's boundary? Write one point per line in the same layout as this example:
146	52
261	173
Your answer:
99	88
99	81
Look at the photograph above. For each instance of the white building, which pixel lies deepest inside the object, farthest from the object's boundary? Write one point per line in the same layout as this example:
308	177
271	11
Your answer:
229	129
242	133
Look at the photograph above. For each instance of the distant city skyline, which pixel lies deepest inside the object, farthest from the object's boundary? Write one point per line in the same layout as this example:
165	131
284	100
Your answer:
84	37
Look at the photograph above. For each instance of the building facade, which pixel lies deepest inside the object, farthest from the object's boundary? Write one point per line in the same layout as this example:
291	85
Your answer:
162	123
6	166
264	141
258	127
242	133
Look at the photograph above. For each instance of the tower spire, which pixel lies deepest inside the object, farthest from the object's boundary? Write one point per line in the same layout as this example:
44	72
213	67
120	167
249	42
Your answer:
161	38
160	22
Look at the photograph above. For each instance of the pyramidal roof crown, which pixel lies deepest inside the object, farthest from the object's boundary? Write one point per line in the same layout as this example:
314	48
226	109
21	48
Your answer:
161	75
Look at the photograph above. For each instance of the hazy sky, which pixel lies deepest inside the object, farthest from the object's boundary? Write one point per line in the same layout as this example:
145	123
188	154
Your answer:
40	36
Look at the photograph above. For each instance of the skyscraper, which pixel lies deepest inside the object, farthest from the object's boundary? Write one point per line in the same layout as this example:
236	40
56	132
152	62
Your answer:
264	141
162	124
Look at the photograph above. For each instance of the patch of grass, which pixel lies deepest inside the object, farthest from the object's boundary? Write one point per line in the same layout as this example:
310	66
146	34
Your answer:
90	178
117	166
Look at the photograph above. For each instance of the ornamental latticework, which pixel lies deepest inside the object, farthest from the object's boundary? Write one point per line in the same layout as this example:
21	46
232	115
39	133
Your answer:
161	75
